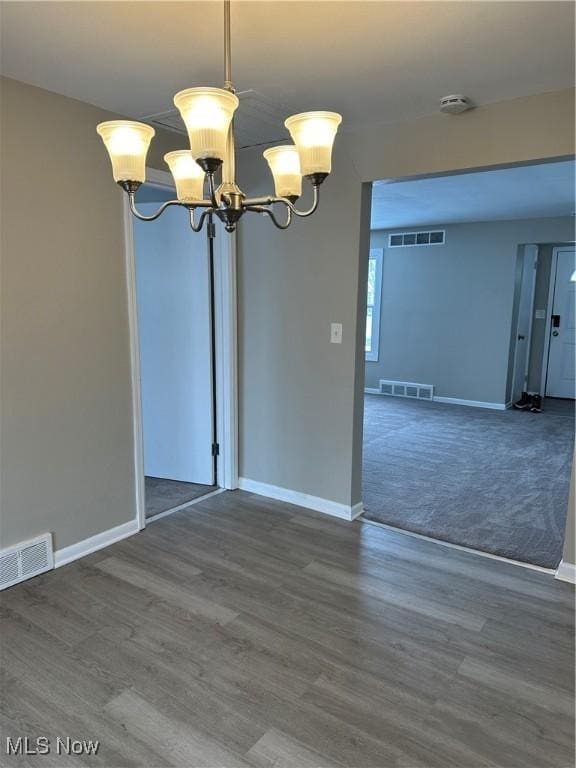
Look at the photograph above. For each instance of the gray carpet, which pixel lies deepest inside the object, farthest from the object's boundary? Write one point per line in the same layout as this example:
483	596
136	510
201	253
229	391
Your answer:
162	495
496	481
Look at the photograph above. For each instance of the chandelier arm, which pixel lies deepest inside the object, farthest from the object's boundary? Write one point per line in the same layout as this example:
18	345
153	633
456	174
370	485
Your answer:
191	205
268	212
198	227
258	201
155	215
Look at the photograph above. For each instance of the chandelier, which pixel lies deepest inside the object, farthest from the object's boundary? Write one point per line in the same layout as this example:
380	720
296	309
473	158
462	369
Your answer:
208	115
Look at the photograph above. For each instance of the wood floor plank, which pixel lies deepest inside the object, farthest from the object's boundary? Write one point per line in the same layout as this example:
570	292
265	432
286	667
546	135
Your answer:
249	632
276	750
181	595
161	729
398	597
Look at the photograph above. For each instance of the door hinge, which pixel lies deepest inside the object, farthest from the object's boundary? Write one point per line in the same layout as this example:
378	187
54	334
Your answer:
215	449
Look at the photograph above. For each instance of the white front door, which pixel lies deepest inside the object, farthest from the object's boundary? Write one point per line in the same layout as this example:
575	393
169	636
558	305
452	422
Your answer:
173	294
561	379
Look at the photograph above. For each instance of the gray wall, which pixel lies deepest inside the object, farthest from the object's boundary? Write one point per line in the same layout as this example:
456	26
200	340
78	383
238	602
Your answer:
66	459
447	310
296	416
66	415
300	397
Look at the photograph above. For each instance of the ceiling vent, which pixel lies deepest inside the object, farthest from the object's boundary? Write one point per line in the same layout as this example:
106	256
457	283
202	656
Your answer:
411	239
258	120
407	389
24	560
455	104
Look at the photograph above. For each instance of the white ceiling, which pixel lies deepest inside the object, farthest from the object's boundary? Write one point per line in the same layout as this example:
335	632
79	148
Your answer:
372	61
533	191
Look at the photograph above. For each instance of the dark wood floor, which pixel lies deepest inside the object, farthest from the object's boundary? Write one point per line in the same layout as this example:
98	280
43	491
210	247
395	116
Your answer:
245	631
162	495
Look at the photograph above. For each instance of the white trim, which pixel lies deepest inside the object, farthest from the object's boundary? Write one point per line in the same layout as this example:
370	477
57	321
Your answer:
94	543
548	329
439	399
186	504
373	356
470	550
137	431
226	320
226	363
318	504
473	403
357	510
550	310
529	261
535	254
566	572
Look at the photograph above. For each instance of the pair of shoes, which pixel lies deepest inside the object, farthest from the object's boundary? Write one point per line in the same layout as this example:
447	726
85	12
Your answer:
536	404
524	403
529	402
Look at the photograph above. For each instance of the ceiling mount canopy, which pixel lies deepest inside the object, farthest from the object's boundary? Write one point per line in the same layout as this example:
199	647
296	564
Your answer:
208	114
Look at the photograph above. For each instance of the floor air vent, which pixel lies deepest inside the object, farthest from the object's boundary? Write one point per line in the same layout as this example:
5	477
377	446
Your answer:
407	389
25	560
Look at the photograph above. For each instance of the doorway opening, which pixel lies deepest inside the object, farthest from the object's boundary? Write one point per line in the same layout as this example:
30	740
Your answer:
459	324
183	336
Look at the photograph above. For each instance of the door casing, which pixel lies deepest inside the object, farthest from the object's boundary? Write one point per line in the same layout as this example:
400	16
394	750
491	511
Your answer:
550	307
225	306
527	291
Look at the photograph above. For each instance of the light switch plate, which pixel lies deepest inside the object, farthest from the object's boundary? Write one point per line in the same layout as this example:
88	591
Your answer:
336	333
540	314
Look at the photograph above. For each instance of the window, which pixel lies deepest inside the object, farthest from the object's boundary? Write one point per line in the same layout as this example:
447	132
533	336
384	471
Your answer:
373	304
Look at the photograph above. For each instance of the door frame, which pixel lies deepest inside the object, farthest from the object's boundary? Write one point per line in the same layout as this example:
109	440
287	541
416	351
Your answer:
549	308
530	254
226	327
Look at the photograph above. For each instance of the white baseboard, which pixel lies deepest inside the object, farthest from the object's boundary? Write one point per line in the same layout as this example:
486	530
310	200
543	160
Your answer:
473	403
356	510
318	504
94	543
439	399
566	572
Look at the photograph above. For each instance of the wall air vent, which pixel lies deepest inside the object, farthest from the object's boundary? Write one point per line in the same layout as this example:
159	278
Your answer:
24	560
407	389
410	239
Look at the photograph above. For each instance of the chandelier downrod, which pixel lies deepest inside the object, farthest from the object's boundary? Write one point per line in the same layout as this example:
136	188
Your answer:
228	86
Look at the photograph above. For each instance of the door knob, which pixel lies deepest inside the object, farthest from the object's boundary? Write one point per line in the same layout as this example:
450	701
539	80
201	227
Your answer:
555	333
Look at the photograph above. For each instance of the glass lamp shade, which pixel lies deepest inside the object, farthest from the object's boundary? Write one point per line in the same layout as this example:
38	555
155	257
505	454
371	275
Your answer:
284	163
207	114
127	143
188	175
313	133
